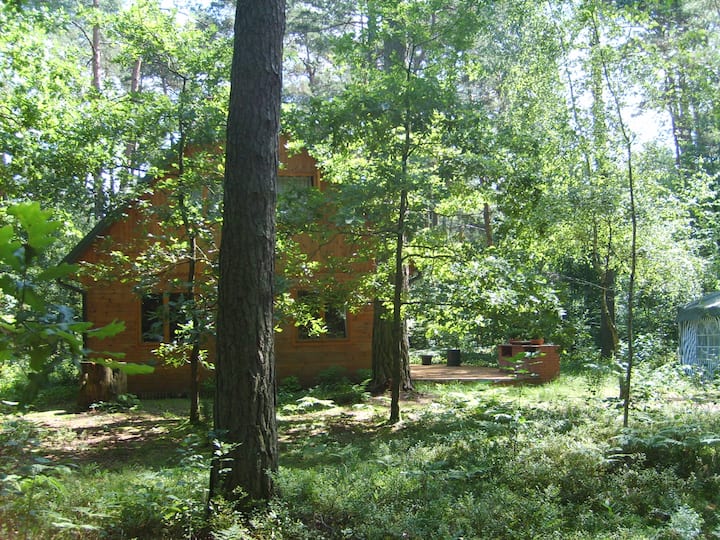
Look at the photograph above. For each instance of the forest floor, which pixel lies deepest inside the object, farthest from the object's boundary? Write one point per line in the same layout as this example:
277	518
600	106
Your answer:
468	460
150	433
109	439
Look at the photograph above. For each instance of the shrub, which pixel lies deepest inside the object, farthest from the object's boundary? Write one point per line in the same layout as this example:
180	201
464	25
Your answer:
333	376
334	384
123	403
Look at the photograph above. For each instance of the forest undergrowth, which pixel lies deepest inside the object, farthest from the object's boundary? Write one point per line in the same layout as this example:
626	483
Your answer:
467	461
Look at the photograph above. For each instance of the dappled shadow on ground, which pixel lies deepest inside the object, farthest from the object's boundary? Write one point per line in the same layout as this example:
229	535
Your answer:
311	438
154	439
112	440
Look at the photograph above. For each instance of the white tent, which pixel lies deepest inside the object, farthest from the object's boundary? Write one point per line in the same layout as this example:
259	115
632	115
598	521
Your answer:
699	325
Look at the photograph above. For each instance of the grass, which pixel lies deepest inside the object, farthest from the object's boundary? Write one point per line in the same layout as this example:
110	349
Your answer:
467	461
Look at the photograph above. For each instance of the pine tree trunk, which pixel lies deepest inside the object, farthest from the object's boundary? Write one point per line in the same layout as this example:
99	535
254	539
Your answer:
195	380
244	411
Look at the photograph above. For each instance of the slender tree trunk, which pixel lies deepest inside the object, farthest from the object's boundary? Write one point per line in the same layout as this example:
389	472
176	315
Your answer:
608	331
244	411
401	284
391	357
131	145
631	286
98	382
194	359
488	225
397	311
401	279
674	121
190	282
98	180
135	76
625	390
96	77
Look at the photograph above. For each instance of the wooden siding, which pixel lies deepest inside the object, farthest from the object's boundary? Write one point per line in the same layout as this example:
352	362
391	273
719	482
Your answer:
111	299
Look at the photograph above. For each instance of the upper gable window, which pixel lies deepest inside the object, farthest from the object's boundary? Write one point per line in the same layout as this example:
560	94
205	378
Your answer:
290	184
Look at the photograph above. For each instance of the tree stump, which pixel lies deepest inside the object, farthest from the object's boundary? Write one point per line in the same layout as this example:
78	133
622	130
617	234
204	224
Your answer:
100	383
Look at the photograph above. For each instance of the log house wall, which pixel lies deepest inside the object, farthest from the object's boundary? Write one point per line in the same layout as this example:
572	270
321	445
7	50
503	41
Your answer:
112	299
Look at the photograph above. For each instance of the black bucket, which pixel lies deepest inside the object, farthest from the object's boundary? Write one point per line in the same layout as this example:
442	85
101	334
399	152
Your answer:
453	357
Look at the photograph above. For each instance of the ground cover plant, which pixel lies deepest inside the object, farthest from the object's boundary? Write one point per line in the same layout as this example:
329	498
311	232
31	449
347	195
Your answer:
467	461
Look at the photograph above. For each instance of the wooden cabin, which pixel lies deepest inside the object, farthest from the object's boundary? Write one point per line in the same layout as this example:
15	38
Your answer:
111	292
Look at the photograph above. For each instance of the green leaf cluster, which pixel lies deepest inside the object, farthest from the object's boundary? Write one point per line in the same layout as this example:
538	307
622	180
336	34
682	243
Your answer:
33	328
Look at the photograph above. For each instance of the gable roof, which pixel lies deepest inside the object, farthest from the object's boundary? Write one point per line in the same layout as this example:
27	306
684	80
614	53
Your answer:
100	227
706	307
147	182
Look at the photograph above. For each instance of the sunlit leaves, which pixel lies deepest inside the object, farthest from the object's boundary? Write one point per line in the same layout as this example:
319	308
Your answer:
32	327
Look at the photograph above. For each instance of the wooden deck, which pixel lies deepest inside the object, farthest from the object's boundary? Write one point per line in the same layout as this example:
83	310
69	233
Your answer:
445	373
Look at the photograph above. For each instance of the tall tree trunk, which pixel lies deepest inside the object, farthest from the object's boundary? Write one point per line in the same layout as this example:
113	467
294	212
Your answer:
244	411
98	382
194	359
631	283
96	76
391	358
131	145
608	332
625	386
401	284
98	180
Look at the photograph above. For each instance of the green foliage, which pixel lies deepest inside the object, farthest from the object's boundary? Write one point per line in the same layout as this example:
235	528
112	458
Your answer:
289	390
685	523
483	103
26	484
67	497
123	403
31	327
687	448
335	387
519	364
479	299
176	354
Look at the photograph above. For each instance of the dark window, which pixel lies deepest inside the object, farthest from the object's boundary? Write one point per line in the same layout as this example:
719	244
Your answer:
335	321
152	319
162	316
177	310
